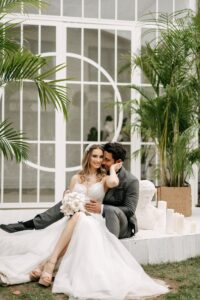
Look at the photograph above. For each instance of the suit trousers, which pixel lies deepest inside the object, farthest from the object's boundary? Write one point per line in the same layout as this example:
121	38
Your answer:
48	217
117	222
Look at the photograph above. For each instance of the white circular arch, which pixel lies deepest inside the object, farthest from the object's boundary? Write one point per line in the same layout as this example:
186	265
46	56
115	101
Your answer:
118	97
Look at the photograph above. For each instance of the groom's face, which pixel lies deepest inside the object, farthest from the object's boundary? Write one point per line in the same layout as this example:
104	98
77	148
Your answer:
108	160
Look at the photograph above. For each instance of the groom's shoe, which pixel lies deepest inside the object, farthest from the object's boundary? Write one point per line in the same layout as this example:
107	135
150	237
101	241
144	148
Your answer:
13	227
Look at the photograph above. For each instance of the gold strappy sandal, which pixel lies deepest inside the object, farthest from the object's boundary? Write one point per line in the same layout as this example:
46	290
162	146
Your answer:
46	276
36	273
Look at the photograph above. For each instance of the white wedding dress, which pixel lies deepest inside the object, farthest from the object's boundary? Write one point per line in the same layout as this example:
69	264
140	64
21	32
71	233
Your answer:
95	266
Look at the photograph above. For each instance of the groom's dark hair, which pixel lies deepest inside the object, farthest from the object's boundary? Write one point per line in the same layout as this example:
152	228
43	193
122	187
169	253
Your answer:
117	150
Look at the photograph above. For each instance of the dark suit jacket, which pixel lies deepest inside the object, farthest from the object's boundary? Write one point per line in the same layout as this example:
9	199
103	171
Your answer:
125	196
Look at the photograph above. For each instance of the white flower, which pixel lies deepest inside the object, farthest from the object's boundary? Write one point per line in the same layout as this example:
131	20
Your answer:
72	203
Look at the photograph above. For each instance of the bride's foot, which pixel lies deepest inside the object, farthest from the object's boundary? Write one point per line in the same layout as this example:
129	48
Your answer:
36	273
47	273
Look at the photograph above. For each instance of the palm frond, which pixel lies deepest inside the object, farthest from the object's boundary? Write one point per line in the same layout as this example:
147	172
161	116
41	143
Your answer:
23	65
12	142
20	65
6	43
52	93
9	5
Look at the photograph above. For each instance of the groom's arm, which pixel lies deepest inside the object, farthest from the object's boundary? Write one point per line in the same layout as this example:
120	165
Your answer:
131	195
128	199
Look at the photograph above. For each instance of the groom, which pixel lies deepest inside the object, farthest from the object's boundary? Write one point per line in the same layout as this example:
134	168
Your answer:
119	203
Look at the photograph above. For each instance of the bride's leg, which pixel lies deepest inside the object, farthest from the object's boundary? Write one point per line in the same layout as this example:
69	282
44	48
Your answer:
59	250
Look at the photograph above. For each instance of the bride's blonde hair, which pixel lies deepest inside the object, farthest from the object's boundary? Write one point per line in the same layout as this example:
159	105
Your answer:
86	164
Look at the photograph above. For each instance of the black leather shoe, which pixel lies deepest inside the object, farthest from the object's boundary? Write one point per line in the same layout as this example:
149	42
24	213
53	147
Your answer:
13	227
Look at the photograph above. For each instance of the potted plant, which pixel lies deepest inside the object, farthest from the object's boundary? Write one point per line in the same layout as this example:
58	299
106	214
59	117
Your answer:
170	115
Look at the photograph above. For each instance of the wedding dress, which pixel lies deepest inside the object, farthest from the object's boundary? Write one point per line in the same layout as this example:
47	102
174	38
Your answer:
95	266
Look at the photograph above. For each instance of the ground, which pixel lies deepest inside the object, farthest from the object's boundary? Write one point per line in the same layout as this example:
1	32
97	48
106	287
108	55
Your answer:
183	279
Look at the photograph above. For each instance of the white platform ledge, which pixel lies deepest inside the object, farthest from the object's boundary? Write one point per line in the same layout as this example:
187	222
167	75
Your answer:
152	247
148	246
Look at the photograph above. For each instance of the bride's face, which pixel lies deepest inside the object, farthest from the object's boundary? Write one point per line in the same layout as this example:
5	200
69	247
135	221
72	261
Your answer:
96	158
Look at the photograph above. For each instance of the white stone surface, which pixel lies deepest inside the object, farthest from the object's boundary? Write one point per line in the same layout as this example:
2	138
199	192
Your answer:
153	247
148	246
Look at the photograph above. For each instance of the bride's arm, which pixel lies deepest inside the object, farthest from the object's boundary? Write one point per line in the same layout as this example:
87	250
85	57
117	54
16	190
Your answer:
73	181
112	180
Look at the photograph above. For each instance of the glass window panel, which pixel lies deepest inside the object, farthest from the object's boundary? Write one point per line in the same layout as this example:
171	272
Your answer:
148	157
30	9
107	113
90	72
126	10
74	40
73	68
165	6
12	104
47	183
72	8
31	38
18	9
51	63
53	7
29	184
73	123
150	93
146	9
91	8
30	110
47	155
125	93
11	181
107	9
91	51
148	36
181	4
68	177
90	113
199	188
91	44
15	34
123	53
47	123
73	155
33	153
126	163
107	53
48	39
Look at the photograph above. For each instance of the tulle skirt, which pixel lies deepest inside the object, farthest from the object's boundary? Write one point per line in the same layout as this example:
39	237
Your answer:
95	266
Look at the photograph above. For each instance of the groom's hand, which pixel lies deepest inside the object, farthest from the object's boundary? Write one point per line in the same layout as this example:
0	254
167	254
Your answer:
93	206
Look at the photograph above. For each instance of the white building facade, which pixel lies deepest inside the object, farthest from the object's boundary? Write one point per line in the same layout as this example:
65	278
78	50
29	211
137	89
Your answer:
93	38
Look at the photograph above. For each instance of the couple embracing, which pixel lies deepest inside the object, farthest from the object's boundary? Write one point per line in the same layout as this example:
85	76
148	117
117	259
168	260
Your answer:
91	261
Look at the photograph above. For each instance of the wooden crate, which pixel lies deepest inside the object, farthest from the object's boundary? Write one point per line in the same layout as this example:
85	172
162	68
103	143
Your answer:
178	198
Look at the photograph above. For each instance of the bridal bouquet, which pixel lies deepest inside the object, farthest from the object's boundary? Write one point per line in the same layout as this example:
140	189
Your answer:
73	202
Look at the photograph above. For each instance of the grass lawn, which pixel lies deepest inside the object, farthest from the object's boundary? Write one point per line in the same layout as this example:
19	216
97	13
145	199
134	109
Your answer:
183	278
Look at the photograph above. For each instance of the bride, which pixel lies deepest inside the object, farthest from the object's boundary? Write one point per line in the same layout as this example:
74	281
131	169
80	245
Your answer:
92	263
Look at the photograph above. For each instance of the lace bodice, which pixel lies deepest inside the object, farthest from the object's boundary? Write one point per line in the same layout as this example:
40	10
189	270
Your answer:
95	191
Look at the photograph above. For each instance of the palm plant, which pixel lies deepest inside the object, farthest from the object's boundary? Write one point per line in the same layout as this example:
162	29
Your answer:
18	64
170	117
